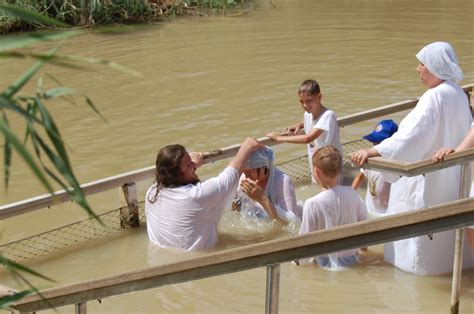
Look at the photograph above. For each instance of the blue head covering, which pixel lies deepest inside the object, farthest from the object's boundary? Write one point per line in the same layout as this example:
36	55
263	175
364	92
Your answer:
262	157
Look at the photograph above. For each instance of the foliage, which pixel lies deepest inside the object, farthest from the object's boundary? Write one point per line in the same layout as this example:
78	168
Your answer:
17	270
89	12
49	160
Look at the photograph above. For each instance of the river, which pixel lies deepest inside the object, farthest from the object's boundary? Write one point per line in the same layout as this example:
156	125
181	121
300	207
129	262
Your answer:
209	82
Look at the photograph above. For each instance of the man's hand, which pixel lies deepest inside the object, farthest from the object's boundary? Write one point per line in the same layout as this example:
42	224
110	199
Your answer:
197	158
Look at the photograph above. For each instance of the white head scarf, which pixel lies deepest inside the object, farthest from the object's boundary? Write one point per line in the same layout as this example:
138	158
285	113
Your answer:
440	59
263	157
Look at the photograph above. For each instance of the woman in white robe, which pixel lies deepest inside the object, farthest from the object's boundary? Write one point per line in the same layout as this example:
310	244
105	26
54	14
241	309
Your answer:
440	119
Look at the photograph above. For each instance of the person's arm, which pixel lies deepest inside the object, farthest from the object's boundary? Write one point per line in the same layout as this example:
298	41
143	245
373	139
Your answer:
294	129
296	139
466	143
361	156
255	192
246	148
358	180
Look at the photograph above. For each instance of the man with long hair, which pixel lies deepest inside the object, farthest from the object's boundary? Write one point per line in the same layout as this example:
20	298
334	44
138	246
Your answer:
183	212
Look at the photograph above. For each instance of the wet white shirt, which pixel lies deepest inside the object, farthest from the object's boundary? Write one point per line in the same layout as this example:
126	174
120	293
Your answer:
187	217
338	206
285	199
440	119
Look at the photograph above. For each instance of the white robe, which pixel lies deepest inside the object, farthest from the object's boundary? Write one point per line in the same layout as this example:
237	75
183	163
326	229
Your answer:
440	119
186	217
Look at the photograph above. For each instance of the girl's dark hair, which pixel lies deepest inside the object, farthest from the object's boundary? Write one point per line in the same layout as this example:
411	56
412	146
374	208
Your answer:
168	168
309	87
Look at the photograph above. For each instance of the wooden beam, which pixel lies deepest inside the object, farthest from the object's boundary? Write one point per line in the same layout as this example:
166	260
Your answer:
61	196
401	226
416	168
129	216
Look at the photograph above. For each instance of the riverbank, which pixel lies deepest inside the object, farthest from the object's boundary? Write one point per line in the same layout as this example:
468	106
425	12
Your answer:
96	12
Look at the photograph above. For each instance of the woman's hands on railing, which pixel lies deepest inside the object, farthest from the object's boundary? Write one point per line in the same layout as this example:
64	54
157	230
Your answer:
360	157
440	154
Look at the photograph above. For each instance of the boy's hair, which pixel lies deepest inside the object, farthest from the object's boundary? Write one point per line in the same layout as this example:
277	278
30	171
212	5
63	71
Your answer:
328	159
309	87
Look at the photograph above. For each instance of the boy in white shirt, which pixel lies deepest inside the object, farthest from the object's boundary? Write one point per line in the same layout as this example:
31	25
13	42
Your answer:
319	123
378	190
334	206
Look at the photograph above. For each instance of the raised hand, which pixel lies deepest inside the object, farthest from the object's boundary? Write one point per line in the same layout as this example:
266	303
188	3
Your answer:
252	189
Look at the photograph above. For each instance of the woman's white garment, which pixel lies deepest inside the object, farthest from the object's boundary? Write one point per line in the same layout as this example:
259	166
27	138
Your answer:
378	192
186	217
440	119
326	121
284	199
338	206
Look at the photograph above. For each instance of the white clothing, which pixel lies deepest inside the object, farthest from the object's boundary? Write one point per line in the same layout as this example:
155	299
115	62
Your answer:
327	122
440	119
338	206
284	199
186	217
378	192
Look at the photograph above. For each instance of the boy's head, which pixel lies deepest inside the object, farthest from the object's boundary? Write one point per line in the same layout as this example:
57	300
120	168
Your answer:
309	87
327	161
383	130
310	96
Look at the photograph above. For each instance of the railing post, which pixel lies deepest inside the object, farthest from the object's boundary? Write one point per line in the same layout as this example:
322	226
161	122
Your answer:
80	308
129	214
273	289
459	244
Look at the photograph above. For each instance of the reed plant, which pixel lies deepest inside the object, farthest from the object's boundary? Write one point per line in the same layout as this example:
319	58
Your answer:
100	12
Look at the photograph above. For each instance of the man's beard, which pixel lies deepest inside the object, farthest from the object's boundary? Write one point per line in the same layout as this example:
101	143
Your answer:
194	181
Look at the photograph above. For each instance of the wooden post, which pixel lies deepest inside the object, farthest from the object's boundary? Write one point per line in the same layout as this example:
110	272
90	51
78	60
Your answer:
129	214
273	289
459	244
80	308
84	17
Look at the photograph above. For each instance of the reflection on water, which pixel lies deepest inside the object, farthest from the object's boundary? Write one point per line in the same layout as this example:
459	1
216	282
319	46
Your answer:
210	82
